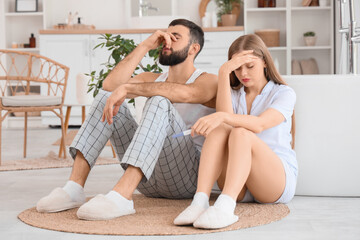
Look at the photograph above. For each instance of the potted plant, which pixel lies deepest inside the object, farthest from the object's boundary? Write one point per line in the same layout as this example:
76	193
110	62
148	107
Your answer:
226	13
309	38
119	48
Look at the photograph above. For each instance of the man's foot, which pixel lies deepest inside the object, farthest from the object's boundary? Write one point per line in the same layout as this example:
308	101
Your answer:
58	200
105	207
189	215
214	218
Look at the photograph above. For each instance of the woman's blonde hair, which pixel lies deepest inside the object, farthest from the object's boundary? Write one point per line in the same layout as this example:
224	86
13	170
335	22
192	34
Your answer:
254	42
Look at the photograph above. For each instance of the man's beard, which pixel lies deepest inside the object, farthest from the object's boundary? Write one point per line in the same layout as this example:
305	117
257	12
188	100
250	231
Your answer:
175	57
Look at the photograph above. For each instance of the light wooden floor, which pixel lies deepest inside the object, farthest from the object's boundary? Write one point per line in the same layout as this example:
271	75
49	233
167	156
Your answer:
310	217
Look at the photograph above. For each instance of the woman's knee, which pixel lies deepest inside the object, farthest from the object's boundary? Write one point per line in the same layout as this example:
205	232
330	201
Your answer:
240	132
222	131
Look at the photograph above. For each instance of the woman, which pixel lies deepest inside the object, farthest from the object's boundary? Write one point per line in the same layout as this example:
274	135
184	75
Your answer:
248	140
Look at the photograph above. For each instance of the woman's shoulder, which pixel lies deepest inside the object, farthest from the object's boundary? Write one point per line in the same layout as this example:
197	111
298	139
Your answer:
282	88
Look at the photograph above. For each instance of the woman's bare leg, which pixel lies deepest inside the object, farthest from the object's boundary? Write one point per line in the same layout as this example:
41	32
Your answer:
253	163
213	158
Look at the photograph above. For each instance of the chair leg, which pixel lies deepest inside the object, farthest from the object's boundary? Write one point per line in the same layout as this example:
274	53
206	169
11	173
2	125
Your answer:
66	125
62	134
113	151
25	132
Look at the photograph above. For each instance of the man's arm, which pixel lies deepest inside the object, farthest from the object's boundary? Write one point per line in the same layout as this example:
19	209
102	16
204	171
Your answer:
201	91
124	69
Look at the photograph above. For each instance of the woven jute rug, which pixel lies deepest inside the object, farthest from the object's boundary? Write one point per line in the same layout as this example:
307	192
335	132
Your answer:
50	161
154	216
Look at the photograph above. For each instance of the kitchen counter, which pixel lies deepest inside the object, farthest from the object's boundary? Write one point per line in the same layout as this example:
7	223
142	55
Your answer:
129	31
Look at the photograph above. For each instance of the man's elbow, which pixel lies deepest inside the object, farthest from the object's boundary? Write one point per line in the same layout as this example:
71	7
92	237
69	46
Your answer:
189	97
106	86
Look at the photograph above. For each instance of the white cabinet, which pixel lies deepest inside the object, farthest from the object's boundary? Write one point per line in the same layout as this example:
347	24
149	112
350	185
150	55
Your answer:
215	50
292	19
74	52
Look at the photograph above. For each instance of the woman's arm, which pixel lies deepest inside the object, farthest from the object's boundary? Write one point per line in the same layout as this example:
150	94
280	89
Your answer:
280	109
223	98
268	119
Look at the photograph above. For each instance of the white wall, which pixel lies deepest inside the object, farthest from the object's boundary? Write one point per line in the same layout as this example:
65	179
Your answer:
327	134
108	14
2	27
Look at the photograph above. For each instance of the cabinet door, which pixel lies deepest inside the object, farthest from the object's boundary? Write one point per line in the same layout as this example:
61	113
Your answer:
72	51
215	50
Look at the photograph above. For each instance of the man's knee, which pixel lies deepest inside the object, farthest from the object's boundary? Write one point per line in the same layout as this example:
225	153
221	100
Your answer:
158	101
101	97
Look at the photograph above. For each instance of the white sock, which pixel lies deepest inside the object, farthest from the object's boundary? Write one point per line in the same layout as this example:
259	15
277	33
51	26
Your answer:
119	200
201	199
225	203
75	191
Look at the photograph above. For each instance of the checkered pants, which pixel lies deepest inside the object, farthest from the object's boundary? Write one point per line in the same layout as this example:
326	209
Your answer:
169	165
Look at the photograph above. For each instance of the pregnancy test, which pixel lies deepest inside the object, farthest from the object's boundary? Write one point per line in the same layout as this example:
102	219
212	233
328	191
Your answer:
184	133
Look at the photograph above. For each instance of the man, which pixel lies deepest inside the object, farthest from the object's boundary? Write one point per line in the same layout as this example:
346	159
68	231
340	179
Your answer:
155	163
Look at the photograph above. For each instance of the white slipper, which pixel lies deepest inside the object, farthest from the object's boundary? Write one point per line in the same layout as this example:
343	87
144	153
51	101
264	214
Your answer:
214	218
58	200
101	208
189	215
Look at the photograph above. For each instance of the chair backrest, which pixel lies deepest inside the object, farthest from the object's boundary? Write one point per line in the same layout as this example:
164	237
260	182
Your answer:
19	70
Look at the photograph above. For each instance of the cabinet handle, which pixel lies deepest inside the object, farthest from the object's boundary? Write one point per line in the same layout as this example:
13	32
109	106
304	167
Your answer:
86	47
92	48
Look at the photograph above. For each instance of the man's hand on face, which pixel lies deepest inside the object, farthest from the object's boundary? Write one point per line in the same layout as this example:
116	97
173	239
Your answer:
158	38
113	104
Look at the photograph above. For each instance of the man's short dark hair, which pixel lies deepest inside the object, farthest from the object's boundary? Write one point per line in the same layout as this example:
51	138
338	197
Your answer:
196	33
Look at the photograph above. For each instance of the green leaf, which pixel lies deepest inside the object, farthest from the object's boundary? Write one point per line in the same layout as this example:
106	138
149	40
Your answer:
118	49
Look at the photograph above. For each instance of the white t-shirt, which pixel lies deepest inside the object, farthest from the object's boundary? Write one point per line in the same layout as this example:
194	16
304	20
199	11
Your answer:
279	97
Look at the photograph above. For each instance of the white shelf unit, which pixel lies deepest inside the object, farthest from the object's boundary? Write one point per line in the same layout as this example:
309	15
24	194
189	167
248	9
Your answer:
17	27
292	19
28	22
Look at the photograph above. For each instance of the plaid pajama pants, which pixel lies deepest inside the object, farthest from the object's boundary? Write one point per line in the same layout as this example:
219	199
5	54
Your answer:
170	166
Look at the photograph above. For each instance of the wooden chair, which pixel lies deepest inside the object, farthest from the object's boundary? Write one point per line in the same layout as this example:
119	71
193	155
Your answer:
21	70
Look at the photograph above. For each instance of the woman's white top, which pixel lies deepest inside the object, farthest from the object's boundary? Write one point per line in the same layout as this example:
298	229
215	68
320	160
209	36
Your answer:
190	112
281	98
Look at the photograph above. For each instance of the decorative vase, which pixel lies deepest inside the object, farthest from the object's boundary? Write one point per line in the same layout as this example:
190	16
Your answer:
310	41
82	96
228	19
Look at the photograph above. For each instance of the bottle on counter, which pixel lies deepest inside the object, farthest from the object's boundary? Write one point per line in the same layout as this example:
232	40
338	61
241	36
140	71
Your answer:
32	41
79	25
